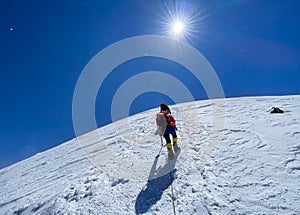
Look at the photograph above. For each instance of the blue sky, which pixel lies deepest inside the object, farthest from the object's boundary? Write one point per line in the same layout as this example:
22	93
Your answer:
252	45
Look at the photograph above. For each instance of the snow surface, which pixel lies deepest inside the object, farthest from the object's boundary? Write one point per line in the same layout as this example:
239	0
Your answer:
253	169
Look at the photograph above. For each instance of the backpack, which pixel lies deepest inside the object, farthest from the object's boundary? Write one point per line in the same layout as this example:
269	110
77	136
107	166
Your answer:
163	119
276	110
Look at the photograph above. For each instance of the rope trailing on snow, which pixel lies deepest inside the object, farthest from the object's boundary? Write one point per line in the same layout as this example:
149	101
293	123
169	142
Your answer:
170	173
172	191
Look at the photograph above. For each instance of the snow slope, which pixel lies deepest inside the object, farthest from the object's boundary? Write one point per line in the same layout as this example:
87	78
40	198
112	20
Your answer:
253	169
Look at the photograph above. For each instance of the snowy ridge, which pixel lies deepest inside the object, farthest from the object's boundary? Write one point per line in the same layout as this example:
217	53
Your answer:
254	169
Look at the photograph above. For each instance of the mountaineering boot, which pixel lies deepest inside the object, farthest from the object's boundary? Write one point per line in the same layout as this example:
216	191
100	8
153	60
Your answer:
175	146
170	151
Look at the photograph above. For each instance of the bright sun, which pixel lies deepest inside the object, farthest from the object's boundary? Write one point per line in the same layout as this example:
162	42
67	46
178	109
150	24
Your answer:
178	27
181	20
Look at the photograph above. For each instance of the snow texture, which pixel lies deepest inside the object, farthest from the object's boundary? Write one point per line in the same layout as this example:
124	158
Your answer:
254	168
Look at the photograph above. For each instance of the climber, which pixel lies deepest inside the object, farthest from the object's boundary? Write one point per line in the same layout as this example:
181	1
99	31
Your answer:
166	127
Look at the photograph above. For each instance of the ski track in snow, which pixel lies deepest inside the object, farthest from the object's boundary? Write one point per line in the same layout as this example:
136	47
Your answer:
254	168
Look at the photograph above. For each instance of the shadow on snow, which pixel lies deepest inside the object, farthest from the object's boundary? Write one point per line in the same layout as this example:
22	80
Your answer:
158	181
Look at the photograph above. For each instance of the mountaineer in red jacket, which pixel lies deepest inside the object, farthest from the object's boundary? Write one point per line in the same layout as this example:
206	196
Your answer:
166	127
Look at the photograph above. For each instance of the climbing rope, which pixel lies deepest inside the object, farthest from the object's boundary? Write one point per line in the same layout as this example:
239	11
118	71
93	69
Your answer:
170	173
172	191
